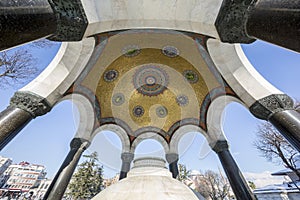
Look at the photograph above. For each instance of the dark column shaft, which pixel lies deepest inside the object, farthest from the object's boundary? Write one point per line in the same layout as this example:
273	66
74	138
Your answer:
277	22
126	162
12	121
24	21
235	177
61	180
173	167
288	123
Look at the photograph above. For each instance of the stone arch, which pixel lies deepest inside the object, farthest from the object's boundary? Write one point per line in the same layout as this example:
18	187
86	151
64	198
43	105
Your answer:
86	115
63	70
119	131
215	117
179	133
150	135
239	73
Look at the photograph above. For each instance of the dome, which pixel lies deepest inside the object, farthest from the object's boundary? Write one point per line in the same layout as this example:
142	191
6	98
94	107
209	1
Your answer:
149	179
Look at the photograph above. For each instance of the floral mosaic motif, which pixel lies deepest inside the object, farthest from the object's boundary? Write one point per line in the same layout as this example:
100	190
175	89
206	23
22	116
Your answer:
131	50
161	111
190	76
138	111
150	80
182	100
170	51
118	99
111	75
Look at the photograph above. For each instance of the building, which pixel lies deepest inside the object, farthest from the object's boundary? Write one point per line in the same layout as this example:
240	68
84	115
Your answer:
23	176
4	164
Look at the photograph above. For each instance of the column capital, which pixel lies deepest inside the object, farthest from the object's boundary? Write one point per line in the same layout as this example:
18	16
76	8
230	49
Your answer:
77	143
127	157
30	102
172	157
71	20
220	146
264	108
232	19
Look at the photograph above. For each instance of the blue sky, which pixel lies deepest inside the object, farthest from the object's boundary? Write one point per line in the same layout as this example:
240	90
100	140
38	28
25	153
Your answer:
46	139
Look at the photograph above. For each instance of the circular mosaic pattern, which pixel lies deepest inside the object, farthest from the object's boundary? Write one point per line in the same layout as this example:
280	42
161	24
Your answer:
118	99
131	50
150	80
170	51
138	111
161	111
111	75
190	76
182	100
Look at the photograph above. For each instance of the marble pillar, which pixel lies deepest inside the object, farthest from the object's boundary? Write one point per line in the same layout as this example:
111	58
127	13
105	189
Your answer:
62	178
238	183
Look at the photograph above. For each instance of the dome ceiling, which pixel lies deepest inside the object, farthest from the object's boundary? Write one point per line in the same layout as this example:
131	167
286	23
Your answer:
151	80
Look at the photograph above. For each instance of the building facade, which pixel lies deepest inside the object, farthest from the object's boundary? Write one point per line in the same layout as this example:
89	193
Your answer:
23	176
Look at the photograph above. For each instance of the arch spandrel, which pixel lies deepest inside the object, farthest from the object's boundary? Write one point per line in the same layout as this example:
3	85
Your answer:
151	78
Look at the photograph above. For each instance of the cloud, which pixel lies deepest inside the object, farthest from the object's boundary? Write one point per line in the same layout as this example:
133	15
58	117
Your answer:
263	179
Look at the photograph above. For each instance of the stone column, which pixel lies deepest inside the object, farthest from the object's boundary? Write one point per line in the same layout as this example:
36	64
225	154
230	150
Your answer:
277	22
172	159
61	180
238	184
24	21
24	106
278	110
126	162
243	21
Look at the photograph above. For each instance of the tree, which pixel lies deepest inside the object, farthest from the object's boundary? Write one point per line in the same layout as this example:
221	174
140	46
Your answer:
87	181
275	148
18	65
213	185
183	173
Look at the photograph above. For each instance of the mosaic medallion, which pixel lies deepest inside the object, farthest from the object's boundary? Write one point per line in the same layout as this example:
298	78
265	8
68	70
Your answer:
150	80
111	75
138	111
170	51
182	100
118	99
190	76
131	50
161	111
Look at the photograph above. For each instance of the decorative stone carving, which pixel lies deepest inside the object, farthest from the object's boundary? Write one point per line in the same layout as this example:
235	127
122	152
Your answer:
118	99
182	100
190	76
220	146
231	21
266	107
138	111
111	75
32	103
161	111
71	19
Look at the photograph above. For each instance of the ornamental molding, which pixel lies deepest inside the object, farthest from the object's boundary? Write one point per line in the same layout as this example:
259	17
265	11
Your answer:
71	20
267	106
232	19
30	102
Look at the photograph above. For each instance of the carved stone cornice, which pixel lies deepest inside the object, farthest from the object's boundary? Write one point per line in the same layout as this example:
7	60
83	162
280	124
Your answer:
267	106
32	103
232	19
71	20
